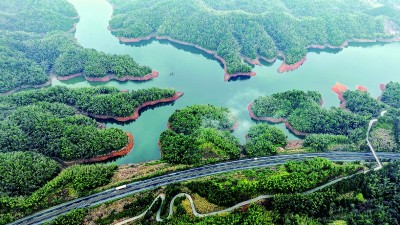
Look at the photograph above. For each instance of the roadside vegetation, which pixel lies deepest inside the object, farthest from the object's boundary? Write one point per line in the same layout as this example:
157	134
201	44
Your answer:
71	183
358	200
370	198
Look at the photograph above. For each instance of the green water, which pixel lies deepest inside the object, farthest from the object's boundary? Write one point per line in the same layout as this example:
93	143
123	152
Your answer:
200	77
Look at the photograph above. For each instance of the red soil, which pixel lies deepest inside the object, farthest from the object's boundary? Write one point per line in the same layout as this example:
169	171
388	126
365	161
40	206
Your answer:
252	61
286	68
283	68
362	88
69	76
339	88
275	120
135	113
148	37
354	40
122	152
296	132
294	144
382	87
149	76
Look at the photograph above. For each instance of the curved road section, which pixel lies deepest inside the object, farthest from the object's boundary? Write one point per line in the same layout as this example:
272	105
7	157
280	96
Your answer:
140	186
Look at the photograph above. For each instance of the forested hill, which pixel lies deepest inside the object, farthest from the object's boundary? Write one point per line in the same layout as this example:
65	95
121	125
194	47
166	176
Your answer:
36	39
257	28
49	121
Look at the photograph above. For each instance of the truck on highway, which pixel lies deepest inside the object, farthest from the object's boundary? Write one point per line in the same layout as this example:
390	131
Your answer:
120	187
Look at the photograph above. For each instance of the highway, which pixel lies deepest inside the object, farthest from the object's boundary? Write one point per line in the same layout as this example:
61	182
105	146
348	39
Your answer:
140	186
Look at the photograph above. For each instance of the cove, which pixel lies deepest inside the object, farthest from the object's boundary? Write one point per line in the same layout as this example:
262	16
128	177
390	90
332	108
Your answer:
201	77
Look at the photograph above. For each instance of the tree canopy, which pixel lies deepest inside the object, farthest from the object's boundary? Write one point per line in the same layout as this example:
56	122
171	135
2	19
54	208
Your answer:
22	173
264	139
255	28
36	40
198	133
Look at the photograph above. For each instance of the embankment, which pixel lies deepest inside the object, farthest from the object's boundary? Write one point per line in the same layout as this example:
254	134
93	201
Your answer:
222	60
275	120
122	152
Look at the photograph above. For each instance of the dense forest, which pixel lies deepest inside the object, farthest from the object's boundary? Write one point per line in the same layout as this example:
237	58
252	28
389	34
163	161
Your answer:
365	198
362	103
303	112
57	130
71	183
50	120
102	100
22	173
337	128
292	177
199	132
263	140
256	28
35	42
391	94
281	105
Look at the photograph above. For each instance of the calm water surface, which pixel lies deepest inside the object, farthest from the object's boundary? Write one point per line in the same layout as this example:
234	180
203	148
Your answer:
200	77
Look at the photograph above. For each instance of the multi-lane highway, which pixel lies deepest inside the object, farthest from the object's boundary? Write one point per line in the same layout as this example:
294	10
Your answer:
140	186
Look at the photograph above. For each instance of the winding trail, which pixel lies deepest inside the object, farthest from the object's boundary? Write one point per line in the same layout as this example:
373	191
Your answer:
371	122
241	204
43	216
261	197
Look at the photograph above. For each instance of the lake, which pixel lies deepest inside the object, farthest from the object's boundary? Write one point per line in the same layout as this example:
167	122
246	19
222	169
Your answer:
201	77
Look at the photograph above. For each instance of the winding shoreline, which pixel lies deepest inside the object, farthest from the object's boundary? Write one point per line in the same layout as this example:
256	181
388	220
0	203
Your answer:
227	76
135	115
282	68
118	153
107	78
48	83
275	120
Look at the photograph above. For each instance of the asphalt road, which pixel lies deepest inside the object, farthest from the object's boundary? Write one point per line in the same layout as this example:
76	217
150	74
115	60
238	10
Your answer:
140	186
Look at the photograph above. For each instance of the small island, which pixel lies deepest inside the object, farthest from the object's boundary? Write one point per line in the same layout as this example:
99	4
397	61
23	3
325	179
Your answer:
199	134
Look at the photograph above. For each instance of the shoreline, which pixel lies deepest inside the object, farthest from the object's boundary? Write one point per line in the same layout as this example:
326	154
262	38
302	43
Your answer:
48	83
118	153
107	78
287	68
227	76
135	115
268	119
275	120
282	68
